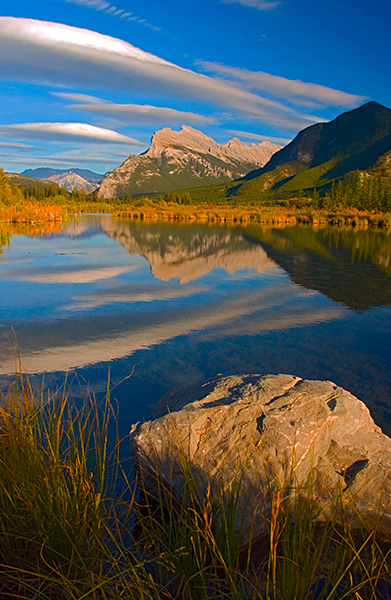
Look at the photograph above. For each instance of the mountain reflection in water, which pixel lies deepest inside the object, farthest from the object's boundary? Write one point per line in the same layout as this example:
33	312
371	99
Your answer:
183	303
176	251
337	262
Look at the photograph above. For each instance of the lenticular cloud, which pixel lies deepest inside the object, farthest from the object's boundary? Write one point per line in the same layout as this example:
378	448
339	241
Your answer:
80	131
57	54
45	34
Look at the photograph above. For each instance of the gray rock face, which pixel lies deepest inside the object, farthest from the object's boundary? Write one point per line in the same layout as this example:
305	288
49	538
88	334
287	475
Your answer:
281	432
176	160
72	181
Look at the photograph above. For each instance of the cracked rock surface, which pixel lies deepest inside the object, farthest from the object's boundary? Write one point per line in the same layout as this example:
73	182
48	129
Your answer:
280	432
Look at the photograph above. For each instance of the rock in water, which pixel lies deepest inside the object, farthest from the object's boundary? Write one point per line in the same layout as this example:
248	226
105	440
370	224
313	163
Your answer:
279	432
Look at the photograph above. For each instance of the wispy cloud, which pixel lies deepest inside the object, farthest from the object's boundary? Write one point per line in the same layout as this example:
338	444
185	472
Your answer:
58	54
76	97
67	132
74	276
18	147
293	90
264	5
132	113
147	294
96	4
99	154
110	9
247	135
254	313
59	160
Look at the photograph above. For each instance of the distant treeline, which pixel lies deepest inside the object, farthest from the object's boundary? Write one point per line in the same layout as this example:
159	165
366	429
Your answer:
359	190
14	194
24	204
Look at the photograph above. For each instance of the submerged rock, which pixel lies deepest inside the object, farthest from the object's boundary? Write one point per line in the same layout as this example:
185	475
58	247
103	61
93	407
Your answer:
276	432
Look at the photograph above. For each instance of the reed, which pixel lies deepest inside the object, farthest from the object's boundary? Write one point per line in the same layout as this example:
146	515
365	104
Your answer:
32	212
53	486
243	215
73	526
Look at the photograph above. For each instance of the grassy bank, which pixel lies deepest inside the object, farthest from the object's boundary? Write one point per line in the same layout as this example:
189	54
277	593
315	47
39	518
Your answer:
53	204
21	206
31	212
243	214
67	514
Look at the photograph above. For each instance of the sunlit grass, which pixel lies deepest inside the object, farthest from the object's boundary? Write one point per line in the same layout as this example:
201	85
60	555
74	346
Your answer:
31	212
251	214
68	512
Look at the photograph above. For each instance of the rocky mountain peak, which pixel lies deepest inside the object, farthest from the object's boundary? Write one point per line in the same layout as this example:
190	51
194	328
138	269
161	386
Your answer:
194	140
354	139
182	159
187	137
71	180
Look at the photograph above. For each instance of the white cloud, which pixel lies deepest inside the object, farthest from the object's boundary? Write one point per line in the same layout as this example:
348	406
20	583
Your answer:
54	160
53	53
98	299
227	318
18	147
258	4
109	9
67	132
139	113
96	4
261	138
75	97
75	276
293	90
97	154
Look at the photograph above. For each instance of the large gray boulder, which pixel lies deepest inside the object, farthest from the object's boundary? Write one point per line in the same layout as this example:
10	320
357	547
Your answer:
280	433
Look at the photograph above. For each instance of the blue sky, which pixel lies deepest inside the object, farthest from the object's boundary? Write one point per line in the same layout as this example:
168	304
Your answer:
87	82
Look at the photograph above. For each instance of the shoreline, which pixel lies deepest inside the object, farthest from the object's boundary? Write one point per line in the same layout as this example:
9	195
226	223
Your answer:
245	216
57	214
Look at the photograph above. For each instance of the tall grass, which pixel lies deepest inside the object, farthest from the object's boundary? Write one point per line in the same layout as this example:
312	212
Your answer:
244	214
29	211
73	526
53	487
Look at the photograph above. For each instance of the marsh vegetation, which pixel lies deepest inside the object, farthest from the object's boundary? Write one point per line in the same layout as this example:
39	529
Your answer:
68	510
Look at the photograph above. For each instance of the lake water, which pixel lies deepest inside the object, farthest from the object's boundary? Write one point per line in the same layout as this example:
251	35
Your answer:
176	304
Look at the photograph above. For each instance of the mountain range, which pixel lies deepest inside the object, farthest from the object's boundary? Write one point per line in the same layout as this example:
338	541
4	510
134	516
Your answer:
184	159
359	139
186	255
75	178
48	172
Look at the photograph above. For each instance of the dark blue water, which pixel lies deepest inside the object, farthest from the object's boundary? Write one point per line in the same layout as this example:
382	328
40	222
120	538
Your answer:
174	304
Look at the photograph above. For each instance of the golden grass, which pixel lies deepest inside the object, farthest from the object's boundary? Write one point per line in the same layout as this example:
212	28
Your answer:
264	215
32	212
68	508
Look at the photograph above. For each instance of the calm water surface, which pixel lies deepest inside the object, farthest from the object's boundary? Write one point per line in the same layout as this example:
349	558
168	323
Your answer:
177	304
